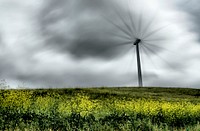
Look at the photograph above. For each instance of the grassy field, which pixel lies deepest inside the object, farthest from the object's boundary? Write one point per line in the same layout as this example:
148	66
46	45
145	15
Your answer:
107	109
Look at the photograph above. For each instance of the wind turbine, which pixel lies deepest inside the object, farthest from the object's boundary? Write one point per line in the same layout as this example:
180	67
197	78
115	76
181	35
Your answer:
137	40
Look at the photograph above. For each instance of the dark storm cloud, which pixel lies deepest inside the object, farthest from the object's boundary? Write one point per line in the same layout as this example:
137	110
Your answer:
83	34
93	28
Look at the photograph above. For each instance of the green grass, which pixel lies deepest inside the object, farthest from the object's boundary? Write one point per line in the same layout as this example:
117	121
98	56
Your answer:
116	108
172	94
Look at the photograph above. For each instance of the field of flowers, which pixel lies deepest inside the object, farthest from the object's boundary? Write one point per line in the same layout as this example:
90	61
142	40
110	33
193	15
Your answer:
99	109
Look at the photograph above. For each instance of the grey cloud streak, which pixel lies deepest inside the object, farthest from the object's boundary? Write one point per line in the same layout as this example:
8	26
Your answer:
193	8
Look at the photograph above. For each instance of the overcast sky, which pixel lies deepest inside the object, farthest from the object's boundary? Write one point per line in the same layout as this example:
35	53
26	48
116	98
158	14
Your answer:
85	43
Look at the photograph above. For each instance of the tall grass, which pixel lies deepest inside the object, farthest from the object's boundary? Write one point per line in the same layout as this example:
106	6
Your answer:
83	109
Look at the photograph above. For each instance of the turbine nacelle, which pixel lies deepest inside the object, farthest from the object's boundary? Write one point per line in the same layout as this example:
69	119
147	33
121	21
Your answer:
137	41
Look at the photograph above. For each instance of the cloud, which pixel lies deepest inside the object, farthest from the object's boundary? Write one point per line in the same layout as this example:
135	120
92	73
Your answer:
191	7
97	28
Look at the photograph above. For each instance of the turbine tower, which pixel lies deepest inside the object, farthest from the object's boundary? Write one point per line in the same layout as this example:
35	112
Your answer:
136	43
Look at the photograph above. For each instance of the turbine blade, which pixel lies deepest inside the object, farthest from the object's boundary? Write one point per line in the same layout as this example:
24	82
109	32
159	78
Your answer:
131	19
123	44
122	19
159	47
148	25
152	51
113	47
155	31
159	39
155	46
119	27
146	52
121	36
140	23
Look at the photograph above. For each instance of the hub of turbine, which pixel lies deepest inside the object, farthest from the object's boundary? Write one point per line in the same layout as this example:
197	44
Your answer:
137	41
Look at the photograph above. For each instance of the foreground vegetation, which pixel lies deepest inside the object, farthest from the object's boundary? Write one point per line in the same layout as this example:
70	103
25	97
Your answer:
100	109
